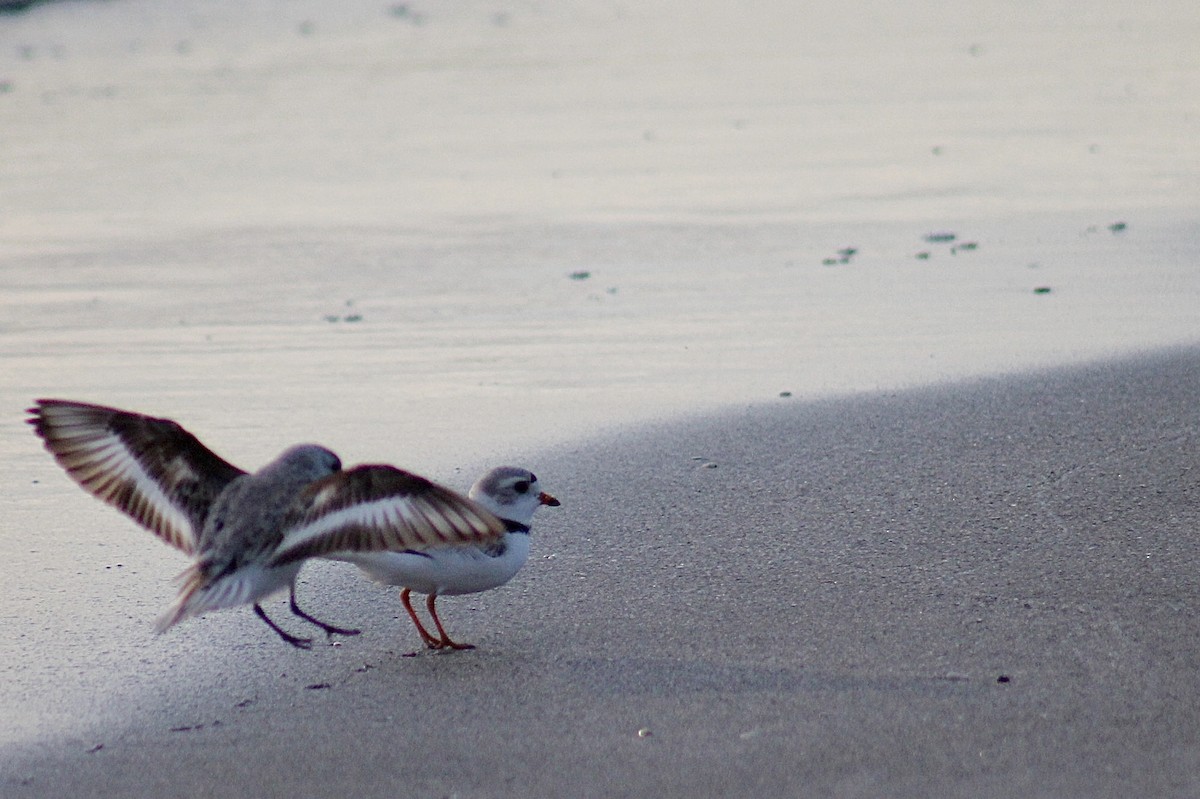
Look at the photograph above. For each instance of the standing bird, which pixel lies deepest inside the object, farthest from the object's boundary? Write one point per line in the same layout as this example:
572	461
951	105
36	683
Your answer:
510	493
234	524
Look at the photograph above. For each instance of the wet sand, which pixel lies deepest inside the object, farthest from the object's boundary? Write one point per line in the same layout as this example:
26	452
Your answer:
983	589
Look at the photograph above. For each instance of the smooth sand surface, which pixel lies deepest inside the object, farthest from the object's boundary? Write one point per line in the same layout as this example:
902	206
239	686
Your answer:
135	119
579	236
985	589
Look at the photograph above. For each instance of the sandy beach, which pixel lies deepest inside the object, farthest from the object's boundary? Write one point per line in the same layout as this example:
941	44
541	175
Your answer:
861	346
978	590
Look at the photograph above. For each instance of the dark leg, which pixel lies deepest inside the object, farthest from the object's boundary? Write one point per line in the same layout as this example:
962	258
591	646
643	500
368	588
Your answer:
429	640
442	630
328	628
299	643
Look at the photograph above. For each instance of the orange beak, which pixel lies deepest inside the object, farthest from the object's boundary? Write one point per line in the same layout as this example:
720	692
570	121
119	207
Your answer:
546	499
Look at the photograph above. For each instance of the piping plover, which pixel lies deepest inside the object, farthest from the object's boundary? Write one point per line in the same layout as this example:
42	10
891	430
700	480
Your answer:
513	495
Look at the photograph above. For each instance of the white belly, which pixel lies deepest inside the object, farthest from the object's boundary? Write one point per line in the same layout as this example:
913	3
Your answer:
448	570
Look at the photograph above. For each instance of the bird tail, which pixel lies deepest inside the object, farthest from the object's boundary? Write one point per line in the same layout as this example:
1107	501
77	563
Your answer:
202	588
192	586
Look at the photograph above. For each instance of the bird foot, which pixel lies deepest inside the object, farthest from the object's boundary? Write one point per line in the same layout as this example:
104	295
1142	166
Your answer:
299	643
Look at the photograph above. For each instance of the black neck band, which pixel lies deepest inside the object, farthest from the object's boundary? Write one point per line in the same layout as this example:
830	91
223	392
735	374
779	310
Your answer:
515	527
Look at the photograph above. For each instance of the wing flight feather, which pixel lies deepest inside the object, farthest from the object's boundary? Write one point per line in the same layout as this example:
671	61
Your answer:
374	508
153	470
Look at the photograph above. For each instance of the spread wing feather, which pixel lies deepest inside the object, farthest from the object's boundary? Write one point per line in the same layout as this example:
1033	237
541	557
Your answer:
151	469
374	508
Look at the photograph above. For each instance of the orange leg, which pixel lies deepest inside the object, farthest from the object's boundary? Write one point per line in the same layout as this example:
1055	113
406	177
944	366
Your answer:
442	630
426	636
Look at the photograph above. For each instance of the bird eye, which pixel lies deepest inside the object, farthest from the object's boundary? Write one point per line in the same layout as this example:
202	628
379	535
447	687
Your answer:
521	486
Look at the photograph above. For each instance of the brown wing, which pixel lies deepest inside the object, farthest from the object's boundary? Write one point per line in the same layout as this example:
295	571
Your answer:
373	508
151	469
